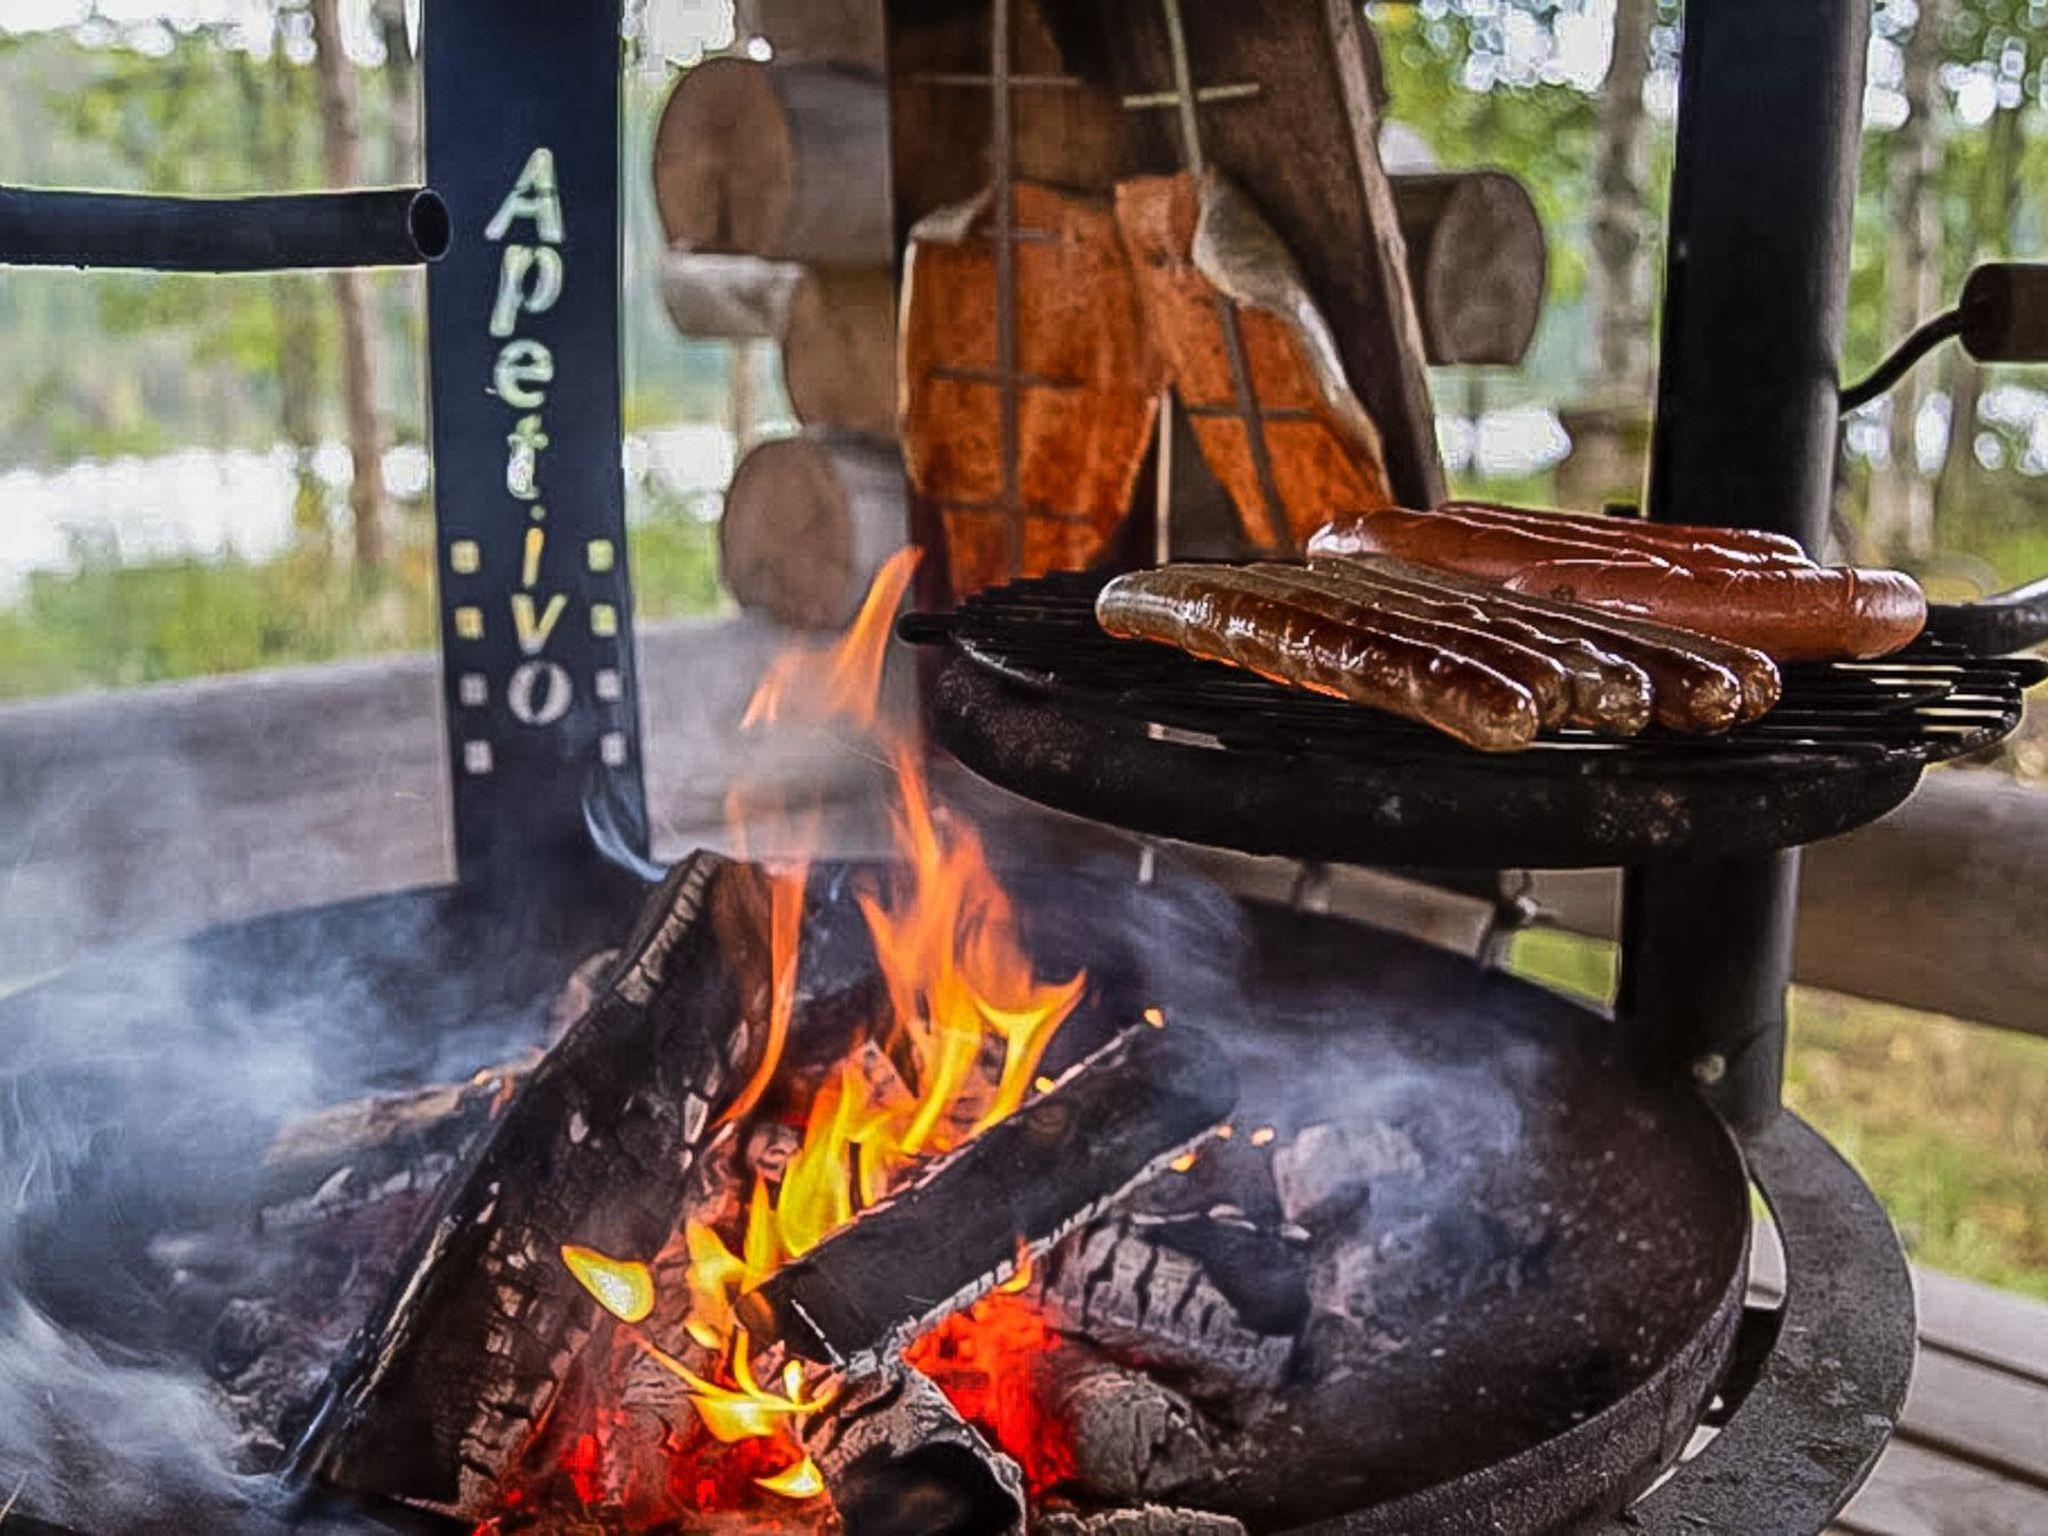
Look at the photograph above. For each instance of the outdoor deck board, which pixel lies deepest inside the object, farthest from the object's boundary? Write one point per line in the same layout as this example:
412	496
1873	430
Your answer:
1971	1454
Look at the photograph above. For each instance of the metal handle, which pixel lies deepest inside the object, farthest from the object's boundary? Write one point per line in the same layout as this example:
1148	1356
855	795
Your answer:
1994	626
386	227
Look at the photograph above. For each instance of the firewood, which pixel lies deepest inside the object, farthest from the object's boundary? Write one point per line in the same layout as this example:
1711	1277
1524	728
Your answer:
1138	1299
839	351
468	1349
725	297
808	522
1146	1520
1477	263
1132	1437
964	1225
775	160
835	31
898	1460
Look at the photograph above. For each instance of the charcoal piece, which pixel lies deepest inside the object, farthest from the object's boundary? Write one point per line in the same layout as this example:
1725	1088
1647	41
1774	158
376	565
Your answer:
1326	1171
1139	1300
1132	1437
898	1460
1145	1520
465	1355
1261	1272
943	1241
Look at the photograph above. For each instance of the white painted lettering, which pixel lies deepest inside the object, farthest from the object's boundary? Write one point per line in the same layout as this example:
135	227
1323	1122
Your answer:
534	197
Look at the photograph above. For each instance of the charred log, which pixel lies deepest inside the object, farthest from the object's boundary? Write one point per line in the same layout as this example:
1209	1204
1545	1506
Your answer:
1131	1438
1142	1301
465	1355
899	1460
945	1240
1146	1520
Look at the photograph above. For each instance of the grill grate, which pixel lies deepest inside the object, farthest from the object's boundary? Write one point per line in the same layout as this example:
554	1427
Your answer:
1846	744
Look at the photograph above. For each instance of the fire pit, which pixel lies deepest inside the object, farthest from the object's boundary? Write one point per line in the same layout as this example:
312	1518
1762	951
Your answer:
978	1191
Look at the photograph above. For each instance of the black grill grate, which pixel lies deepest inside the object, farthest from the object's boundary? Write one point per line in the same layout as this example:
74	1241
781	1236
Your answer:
1930	702
1260	764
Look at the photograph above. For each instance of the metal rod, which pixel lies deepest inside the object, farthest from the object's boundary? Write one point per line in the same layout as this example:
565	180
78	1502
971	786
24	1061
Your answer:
388	227
1762	188
1002	152
1187	98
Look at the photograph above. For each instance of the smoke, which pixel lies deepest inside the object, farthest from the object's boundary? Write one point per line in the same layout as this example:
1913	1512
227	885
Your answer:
137	1092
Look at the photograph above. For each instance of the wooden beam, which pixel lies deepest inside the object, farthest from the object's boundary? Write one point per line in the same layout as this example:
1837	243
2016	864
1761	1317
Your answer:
1935	907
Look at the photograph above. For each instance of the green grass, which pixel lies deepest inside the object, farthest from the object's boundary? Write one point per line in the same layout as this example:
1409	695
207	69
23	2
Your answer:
1948	1122
109	625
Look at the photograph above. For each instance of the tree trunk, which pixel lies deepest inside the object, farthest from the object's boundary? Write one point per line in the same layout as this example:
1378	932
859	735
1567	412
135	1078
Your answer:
342	143
1996	204
1900	522
402	84
1617	280
271	119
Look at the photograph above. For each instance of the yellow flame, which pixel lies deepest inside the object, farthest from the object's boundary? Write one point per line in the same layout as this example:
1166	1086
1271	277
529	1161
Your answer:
957	1047
624	1289
802	1481
1263	1136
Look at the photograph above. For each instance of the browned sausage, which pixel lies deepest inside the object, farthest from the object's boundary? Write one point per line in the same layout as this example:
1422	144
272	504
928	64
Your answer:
1687	543
1211	612
1700	684
1818	614
1547	681
1606	694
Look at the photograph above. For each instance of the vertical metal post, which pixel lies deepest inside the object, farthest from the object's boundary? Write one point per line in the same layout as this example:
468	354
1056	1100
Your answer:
1762	190
523	333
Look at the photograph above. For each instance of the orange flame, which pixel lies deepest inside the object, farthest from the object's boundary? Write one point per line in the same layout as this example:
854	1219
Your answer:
959	1047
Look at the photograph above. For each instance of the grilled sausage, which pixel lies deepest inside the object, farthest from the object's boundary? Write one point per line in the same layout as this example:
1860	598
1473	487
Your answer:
1605	693
1546	679
1742	587
1816	614
1687	543
1214	613
1700	684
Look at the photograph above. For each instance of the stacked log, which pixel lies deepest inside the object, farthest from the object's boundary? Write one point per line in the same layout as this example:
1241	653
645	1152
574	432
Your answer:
772	177
772	182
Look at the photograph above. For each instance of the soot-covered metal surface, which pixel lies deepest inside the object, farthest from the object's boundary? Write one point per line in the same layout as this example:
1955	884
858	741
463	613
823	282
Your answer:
1035	697
1553	1273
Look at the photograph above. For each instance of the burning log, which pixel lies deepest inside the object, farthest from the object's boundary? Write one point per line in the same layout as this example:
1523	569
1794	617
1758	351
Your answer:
466	1353
974	1216
899	1460
1136	1298
1131	1437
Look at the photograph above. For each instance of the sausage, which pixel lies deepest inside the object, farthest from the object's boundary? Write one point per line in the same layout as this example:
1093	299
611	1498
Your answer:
1605	693
1546	679
1212	612
1687	543
1699	684
1818	614
1756	596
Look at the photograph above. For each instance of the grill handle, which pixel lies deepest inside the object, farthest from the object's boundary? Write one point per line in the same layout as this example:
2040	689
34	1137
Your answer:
1994	626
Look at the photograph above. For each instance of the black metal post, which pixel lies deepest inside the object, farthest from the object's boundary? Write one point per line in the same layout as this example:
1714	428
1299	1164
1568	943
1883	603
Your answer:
523	331
383	227
1762	189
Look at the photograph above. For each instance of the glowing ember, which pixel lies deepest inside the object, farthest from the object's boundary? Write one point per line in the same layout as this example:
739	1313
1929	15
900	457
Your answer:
624	1290
957	1048
1263	1136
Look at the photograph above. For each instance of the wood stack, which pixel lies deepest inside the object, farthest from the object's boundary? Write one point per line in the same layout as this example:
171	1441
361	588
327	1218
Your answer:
772	182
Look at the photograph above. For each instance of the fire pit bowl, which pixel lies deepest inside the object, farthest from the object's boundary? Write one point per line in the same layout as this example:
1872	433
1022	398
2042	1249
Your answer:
1549	1275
